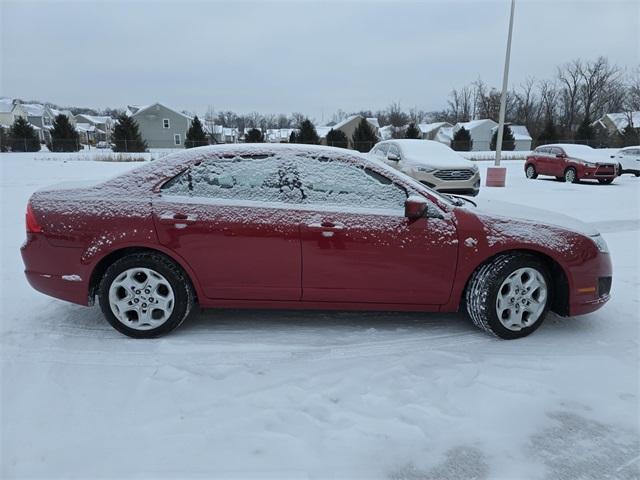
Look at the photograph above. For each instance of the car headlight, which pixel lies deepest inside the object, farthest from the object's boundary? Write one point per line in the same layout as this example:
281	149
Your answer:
600	243
586	164
426	169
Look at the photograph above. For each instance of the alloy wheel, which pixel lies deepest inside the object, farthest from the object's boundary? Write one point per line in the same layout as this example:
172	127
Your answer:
141	298
521	299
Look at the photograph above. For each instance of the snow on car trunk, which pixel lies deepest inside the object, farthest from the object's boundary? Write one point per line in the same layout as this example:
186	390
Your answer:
307	394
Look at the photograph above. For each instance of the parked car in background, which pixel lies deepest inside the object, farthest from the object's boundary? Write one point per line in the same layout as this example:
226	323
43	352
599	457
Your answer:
570	163
628	159
303	227
104	145
431	163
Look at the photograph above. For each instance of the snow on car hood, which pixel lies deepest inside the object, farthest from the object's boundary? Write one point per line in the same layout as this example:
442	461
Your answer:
535	216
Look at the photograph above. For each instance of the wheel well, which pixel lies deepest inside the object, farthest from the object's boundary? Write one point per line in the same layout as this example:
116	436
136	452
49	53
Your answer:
558	277
104	263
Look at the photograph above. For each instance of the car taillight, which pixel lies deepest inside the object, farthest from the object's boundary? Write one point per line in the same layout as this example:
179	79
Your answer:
32	224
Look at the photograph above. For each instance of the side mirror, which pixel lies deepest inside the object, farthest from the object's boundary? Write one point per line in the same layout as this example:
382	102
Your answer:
393	157
561	155
415	207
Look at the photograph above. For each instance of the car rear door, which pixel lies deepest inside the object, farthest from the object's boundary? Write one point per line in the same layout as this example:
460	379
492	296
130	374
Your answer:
357	245
235	224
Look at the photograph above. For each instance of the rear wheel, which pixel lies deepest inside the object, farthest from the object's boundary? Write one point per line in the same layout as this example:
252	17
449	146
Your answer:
530	172
145	295
509	296
605	181
570	175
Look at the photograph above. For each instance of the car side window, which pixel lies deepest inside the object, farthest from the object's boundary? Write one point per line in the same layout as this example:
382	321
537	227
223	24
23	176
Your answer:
381	150
394	149
257	178
332	182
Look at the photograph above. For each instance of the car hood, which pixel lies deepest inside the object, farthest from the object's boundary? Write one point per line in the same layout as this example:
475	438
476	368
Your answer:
439	163
534	216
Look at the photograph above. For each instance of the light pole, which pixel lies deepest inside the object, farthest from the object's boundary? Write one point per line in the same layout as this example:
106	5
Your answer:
496	175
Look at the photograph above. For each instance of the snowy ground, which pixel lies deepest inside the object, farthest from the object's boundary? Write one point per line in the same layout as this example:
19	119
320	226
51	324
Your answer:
242	394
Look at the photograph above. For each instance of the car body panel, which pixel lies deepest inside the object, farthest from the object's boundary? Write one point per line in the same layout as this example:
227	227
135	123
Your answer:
629	160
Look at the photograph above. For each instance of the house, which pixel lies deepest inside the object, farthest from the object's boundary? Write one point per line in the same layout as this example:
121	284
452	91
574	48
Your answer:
480	130
10	110
159	125
42	117
521	136
66	113
103	125
221	134
430	131
614	123
348	126
279	135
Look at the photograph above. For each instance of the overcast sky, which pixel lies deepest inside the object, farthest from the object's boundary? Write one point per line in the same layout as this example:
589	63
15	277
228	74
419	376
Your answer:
313	57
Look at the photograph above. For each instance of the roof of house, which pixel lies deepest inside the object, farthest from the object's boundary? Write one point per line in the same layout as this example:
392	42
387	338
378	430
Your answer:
33	109
473	124
520	132
323	130
430	127
95	119
133	110
6	105
621	119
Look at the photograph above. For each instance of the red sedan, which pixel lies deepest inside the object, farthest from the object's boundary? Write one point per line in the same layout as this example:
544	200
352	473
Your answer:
303	227
570	163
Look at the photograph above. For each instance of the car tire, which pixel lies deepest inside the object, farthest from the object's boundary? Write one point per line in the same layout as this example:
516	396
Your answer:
499	278
165	293
530	172
570	175
605	181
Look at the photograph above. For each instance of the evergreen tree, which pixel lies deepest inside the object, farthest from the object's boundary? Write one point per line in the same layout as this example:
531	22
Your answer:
462	141
412	131
64	137
293	137
126	136
337	138
195	135
629	136
5	140
585	133
307	133
548	134
254	136
364	137
508	142
23	137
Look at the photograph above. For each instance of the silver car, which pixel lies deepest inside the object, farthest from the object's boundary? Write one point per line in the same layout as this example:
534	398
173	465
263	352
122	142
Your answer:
431	163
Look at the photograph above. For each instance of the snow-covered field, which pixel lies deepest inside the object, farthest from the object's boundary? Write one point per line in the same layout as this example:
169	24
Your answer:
243	394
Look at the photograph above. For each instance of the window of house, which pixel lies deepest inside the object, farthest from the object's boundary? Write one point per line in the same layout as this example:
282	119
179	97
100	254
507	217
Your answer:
165	123
176	139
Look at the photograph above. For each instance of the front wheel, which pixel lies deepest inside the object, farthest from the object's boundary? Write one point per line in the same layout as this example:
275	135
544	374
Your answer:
530	172
509	296
570	175
605	181
145	295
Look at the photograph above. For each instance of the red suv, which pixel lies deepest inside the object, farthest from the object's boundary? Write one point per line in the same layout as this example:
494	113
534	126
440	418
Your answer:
570	163
303	227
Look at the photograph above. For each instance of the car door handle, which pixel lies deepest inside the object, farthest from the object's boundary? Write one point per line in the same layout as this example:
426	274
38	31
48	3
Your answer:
326	226
180	220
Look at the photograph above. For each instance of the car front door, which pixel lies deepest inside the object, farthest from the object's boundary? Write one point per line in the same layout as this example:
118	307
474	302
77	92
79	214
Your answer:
234	222
358	247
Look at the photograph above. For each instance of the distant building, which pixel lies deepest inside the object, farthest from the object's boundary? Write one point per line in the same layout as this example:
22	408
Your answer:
480	130
521	136
10	110
160	126
103	125
431	131
614	123
348	126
